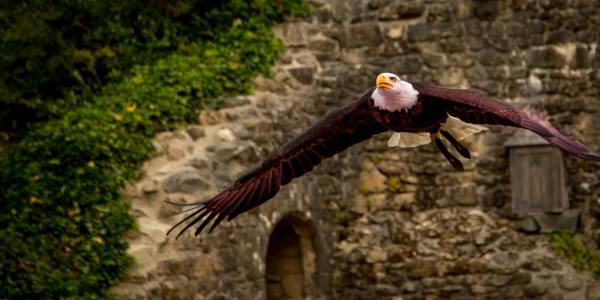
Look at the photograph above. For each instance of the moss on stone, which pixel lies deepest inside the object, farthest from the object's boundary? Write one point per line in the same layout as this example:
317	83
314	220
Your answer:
364	190
578	254
393	184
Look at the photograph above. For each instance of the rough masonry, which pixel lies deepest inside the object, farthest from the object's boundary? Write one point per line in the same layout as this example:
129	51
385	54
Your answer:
373	222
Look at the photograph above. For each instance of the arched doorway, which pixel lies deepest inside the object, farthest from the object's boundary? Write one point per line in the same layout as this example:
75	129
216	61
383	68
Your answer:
290	261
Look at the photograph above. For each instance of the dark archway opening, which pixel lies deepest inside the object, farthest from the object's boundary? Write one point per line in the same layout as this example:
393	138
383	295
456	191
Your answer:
290	261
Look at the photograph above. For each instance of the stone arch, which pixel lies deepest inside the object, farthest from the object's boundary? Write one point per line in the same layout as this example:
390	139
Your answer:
291	262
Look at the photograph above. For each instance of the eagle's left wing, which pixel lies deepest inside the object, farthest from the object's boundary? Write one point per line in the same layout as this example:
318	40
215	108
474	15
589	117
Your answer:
477	108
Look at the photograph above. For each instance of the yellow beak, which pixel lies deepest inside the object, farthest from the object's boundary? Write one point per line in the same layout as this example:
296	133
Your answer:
383	82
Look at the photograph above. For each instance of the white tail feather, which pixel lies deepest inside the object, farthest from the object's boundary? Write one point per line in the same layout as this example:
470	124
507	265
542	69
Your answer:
461	130
408	139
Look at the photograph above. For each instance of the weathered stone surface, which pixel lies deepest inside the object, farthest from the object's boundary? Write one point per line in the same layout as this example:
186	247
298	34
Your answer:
372	181
303	74
362	34
196	132
292	33
388	223
535	290
225	135
560	37
464	195
402	11
570	282
548	57
487	10
175	290
150	186
593	292
418	33
565	221
377	255
408	65
420	268
521	278
187	182
175	153
529	225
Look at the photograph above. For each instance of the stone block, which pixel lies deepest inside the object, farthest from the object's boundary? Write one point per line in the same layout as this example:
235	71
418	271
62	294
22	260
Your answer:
201	266
417	269
529	225
566	221
409	287
582	59
560	37
175	290
292	33
322	45
175	153
487	10
377	255
419	32
149	186
410	10
372	181
570	282
593	292
130	292
407	10
464	195
535	290
187	182
596	60
521	278
196	132
547	57
362	34
491	58
462	9
304	74
408	65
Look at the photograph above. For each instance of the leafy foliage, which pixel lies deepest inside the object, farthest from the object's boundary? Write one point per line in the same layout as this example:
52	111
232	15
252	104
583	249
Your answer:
62	218
576	252
54	55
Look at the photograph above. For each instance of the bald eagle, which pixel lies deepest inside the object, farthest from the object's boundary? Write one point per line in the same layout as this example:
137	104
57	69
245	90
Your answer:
418	113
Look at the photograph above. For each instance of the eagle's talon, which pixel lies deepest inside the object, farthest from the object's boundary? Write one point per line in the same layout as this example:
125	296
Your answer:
458	146
455	162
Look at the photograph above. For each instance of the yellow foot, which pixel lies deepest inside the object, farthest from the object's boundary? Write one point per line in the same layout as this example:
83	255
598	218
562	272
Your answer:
435	136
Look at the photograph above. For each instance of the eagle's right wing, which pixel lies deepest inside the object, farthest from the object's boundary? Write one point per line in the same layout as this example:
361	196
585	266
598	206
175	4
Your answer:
335	132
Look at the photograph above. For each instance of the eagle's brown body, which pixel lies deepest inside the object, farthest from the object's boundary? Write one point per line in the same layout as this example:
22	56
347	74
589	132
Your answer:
356	122
424	116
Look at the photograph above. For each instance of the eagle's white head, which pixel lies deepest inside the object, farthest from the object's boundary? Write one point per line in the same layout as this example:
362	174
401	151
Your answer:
393	94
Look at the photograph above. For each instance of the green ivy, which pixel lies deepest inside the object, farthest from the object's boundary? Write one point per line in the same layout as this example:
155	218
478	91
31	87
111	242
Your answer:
55	55
62	217
580	256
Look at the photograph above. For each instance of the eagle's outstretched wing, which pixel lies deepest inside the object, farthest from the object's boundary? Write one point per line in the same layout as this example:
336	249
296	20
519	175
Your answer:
477	108
335	132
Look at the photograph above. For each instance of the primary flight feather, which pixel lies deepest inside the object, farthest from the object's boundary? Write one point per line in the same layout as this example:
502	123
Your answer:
418	113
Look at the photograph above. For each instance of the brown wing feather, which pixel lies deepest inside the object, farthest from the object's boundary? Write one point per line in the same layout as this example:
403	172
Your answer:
335	132
478	108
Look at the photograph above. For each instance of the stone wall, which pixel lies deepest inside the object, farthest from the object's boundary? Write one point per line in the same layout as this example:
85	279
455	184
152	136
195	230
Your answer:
385	223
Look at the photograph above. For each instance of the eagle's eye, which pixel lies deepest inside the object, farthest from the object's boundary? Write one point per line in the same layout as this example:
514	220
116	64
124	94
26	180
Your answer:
394	79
